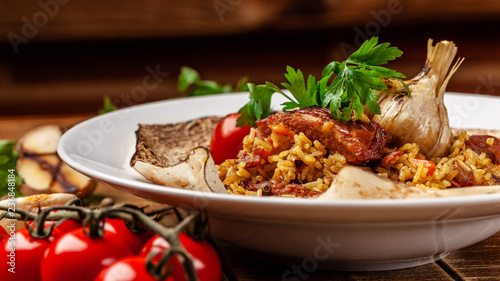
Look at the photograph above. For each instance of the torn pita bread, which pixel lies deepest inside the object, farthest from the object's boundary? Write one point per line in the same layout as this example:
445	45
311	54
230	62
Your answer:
356	183
177	155
166	145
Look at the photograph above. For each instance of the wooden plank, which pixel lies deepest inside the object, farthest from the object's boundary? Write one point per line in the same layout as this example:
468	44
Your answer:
376	14
87	49
63	78
12	128
243	266
91	19
477	262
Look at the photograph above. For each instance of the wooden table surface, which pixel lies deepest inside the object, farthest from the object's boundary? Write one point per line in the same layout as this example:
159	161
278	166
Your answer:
477	262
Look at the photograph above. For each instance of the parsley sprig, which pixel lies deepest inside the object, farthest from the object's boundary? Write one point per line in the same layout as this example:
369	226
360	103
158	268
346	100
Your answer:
107	105
190	82
350	90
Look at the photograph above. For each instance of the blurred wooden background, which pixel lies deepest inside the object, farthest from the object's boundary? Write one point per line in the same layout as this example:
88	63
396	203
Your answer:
63	56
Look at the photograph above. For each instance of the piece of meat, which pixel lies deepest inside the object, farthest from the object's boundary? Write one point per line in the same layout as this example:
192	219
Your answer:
358	141
478	143
463	178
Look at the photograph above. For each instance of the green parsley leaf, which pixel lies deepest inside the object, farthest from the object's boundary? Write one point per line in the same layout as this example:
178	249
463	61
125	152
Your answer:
361	73
259	105
305	94
187	77
8	160
190	81
242	86
107	106
372	54
352	88
209	88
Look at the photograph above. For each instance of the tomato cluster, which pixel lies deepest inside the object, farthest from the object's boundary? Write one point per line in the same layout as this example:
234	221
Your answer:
119	254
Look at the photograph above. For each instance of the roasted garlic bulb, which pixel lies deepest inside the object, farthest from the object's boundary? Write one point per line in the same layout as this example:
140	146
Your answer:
421	117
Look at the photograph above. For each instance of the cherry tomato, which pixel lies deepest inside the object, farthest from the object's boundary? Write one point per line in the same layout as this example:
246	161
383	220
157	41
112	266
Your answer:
156	244
75	256
131	268
227	139
20	256
205	258
135	241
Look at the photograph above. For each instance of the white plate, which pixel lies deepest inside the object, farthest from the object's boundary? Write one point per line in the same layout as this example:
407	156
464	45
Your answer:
339	235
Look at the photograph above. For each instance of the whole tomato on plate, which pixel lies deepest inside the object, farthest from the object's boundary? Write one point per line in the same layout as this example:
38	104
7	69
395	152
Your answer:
227	139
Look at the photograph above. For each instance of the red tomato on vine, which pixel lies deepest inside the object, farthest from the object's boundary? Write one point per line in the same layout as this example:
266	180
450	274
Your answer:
131	268
20	257
205	259
3	233
134	240
74	256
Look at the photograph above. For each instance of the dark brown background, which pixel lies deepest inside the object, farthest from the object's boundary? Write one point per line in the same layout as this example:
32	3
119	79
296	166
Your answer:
71	53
